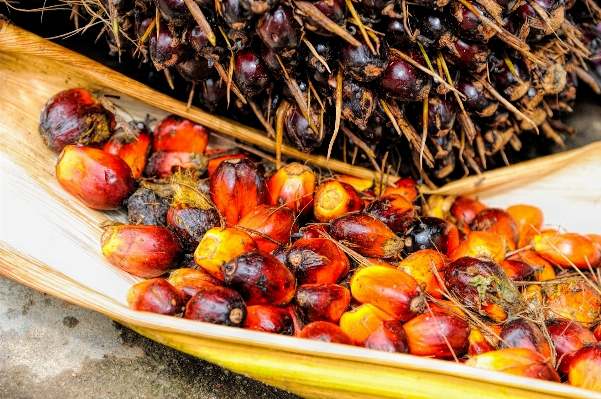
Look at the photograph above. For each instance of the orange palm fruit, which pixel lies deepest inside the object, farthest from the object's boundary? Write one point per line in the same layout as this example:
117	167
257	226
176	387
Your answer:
358	183
293	186
529	220
391	290
430	232
144	251
187	281
464	210
237	186
423	266
260	278
480	244
389	337
478	343
438	206
567	249
163	164
326	302
269	226
155	295
380	262
393	210
573	299
533	296
359	323
333	199
217	305
317	261
585	368
366	235
98	179
568	336
444	305
269	318
597	332
218	155
516	361
483	286
326	332
133	150
517	270
220	245
523	333
437	334
497	221
405	187
596	238
175	133
543	270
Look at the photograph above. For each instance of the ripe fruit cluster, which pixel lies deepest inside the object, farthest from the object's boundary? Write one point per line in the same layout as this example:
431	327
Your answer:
445	84
328	258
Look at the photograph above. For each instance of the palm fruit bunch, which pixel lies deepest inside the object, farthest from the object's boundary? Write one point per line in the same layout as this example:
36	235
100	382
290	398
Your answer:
439	89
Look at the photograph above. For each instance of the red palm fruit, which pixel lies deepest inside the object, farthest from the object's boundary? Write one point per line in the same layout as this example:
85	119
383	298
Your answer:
333	198
298	321
393	210
144	251
478	343
366	235
133	150
405	187
217	305
188	281
529	220
585	368
573	299
220	245
499	222
523	362
360	322
568	336
389	337
98	179
597	332
74	116
326	332
293	186
317	261
269	318
523	333
567	249
423	266
480	244
237	186
380	262
431	232
269	226
218	155
175	133
437	334
163	164
464	210
325	302
260	278
482	285
543	270
517	270
155	295
190	223
444	305
315	231
391	290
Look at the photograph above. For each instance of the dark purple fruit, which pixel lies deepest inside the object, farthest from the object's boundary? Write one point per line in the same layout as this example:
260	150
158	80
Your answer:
404	82
250	73
279	30
467	25
298	131
212	93
333	9
168	49
217	305
471	56
441	115
430	233
233	14
358	103
477	98
258	6
174	11
191	223
396	35
195	69
360	63
512	82
434	30
146	206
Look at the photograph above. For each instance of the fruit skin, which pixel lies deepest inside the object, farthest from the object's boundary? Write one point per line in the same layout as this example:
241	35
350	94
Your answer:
572	299
482	245
190	224
188	281
98	179
391	290
422	266
326	332
334	198
265	221
163	164
269	318
217	305
317	261
393	210
431	232
585	368
565	249
74	116
389	337
174	133
155	295
293	186
523	333
135	151
568	337
497	221
260	278
431	334
529	220
144	251
517	361
360	322
325	302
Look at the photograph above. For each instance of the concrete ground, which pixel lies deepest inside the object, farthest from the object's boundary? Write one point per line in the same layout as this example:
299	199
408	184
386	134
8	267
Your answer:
50	349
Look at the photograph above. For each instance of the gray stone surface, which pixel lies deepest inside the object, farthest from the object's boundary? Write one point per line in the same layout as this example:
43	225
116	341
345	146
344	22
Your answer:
50	349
